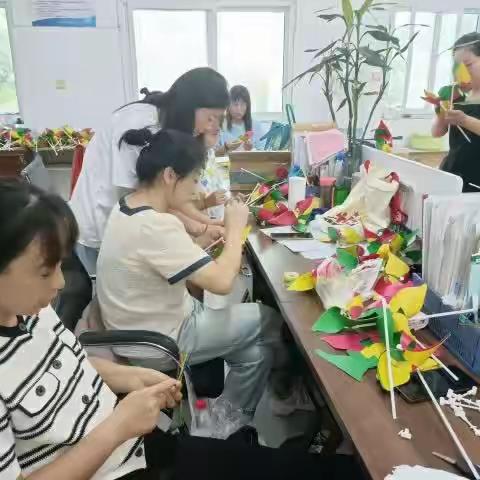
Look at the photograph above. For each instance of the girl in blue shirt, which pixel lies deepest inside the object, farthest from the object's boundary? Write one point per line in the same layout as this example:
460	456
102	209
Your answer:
239	121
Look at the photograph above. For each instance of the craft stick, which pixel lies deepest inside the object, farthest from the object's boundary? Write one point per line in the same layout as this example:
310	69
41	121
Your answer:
265	194
364	325
474	186
389	360
254	174
462	131
252	193
216	242
449	314
440	363
448	426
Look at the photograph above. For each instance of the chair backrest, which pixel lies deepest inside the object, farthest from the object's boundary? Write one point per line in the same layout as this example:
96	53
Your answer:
76	295
37	174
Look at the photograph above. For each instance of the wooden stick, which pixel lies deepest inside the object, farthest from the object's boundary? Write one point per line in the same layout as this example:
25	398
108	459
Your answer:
248	204
462	131
449	314
440	363
216	242
252	193
448	426
389	360
254	174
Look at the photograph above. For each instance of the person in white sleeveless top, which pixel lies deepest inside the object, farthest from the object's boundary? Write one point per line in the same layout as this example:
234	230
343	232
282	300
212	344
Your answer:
194	104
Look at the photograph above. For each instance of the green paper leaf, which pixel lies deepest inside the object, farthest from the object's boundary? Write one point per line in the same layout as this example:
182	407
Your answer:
332	321
332	234
300	227
346	259
414	255
353	364
373	247
366	342
277	196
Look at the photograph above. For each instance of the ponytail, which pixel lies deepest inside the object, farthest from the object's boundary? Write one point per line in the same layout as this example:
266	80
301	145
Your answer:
137	138
166	148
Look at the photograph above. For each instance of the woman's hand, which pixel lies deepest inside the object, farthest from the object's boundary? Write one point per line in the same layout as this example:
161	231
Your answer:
211	235
215	198
232	146
137	414
248	145
236	215
455	117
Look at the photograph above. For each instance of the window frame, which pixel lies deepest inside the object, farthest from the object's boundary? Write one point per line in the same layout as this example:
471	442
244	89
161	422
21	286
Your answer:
211	7
426	111
6	5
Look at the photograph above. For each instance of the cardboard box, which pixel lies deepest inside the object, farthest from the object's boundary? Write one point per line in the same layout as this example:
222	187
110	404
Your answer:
263	163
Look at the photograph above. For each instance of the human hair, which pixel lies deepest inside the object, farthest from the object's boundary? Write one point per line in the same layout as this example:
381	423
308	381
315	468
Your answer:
198	88
470	41
166	148
237	93
28	213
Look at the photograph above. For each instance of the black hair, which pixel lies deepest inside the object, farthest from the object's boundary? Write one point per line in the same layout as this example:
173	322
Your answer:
28	213
181	151
154	98
239	92
198	88
470	41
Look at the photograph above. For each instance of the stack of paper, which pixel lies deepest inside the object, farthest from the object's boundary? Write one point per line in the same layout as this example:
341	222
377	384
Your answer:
308	248
451	233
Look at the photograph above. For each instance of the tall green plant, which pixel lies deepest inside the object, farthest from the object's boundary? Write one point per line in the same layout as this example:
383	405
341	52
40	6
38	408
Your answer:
343	61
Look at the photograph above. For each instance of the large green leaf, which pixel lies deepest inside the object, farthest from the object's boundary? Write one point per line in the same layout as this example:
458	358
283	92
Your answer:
377	27
347	10
365	7
405	47
342	104
330	17
325	49
383	36
372	57
311	50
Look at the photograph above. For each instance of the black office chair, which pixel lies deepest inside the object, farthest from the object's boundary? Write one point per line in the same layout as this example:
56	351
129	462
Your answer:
207	378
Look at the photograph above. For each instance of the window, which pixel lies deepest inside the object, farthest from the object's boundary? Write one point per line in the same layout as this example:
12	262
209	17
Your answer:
428	64
246	45
168	43
8	94
243	61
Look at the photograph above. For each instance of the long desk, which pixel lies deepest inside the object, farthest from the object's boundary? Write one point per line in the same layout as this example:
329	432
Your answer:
362	409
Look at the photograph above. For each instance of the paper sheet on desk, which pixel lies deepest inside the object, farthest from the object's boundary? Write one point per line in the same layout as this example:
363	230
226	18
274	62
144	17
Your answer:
405	472
325	250
268	231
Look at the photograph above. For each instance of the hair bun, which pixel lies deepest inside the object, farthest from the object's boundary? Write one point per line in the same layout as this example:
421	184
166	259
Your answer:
137	138
144	91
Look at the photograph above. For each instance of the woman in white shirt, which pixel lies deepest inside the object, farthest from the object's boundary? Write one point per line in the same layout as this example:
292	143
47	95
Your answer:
147	257
194	104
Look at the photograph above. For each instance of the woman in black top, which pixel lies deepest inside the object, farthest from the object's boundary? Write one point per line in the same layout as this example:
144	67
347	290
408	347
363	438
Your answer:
464	156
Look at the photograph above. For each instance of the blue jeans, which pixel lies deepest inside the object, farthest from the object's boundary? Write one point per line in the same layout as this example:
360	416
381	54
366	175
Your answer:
247	336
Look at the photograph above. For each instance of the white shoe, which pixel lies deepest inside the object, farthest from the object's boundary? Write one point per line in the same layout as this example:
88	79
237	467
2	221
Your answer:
297	400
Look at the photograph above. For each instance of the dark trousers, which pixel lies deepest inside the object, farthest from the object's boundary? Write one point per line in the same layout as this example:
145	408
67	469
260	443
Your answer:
187	458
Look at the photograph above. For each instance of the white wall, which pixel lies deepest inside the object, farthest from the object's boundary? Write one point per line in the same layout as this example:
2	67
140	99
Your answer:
87	60
90	62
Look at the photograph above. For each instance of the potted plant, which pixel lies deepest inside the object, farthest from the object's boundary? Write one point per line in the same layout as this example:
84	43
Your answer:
341	66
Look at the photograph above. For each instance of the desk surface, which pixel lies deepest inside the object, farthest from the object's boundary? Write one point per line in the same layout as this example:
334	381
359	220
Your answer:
361	408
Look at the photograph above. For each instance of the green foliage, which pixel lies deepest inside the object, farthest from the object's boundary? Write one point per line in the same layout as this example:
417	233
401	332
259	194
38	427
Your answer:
342	62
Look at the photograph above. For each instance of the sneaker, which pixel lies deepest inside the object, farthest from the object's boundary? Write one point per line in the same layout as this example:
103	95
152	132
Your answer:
297	400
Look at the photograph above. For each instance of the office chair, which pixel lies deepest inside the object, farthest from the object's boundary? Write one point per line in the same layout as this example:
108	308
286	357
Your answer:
207	378
37	174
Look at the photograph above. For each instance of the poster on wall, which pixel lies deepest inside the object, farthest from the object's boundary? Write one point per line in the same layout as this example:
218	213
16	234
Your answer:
64	13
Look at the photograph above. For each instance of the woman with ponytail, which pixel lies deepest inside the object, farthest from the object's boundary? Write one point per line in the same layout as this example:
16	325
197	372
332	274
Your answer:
194	104
147	257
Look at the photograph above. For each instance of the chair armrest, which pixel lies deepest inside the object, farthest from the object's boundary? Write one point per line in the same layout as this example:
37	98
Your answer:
128	338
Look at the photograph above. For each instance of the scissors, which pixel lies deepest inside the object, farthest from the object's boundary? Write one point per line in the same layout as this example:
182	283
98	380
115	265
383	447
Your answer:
460	465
